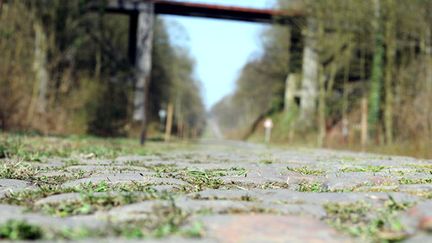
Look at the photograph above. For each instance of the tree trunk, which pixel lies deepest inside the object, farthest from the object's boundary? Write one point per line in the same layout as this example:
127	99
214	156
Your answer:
390	40
364	123
40	66
377	73
345	101
98	66
427	52
321	109
169	121
322	106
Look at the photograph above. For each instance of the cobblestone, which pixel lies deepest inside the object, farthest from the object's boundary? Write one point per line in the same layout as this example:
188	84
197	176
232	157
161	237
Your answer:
234	192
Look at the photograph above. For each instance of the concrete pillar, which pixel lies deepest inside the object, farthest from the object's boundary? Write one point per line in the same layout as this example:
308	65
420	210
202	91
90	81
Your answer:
290	90
143	62
309	86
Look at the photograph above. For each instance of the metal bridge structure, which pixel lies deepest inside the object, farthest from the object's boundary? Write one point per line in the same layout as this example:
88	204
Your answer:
141	20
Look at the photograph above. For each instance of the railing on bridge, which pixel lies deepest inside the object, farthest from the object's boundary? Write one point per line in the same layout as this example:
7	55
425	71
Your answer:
183	8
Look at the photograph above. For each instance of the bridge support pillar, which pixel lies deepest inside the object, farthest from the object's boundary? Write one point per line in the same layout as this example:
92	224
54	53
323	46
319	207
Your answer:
291	84
293	79
143	21
309	86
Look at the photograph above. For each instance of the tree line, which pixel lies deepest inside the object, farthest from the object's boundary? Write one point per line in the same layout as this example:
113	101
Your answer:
356	64
64	69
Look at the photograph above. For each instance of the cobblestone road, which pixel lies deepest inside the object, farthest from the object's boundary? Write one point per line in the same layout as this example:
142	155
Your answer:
218	192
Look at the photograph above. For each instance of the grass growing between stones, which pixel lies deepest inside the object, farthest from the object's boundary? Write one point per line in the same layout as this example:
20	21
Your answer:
27	172
93	197
266	161
161	169
24	157
312	187
20	230
406	181
233	171
274	185
104	186
168	220
89	203
163	222
369	168
421	168
306	171
201	180
102	197
423	194
371	223
19	171
29	197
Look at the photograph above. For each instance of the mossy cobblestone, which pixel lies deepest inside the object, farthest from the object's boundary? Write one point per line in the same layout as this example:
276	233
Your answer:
210	192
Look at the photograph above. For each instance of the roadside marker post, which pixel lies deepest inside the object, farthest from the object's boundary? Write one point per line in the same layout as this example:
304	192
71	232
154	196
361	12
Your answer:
268	125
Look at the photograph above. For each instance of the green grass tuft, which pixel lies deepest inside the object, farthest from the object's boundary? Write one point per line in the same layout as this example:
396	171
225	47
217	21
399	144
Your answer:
20	230
370	223
306	171
312	187
369	168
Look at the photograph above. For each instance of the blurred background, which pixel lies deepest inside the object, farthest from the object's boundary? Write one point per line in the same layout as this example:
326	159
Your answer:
349	74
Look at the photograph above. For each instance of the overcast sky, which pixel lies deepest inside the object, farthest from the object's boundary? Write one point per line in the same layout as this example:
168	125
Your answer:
220	47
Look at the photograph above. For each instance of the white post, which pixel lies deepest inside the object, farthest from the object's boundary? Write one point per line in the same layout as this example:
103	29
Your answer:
268	125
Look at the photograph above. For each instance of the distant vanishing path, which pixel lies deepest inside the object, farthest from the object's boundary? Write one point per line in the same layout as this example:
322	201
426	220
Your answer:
216	132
